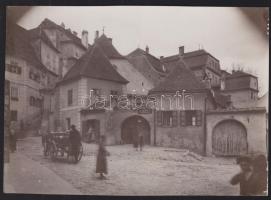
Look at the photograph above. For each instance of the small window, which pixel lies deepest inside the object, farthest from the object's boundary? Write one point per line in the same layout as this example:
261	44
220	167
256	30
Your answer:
114	92
251	95
13	115
190	118
14	93
14	69
167	118
68	120
96	92
32	101
69	97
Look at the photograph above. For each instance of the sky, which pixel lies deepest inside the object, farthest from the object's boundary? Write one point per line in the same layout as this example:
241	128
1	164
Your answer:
224	32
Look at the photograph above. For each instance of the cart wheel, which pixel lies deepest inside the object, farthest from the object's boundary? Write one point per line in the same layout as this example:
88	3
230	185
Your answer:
53	151
80	154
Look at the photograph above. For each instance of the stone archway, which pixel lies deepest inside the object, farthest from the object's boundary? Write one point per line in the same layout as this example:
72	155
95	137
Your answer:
229	138
130	127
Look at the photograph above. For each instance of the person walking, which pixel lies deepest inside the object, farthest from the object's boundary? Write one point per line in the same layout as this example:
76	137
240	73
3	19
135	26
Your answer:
75	140
135	139
140	139
244	177
259	175
101	164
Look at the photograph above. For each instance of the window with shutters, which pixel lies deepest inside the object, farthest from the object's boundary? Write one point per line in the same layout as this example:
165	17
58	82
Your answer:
190	118
13	68
69	97
167	118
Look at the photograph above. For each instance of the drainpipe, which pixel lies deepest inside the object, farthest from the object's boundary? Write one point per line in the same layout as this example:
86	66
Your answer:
205	129
154	127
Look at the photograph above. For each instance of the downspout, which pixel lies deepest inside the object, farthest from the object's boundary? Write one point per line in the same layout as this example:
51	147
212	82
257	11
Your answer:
154	127
205	128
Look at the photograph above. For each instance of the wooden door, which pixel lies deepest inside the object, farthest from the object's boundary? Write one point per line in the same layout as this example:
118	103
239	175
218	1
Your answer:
229	139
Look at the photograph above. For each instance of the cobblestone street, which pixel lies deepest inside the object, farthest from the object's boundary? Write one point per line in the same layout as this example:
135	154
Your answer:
155	171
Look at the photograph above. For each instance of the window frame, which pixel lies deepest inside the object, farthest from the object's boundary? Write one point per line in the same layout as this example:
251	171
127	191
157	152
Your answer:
70	97
171	122
195	118
14	90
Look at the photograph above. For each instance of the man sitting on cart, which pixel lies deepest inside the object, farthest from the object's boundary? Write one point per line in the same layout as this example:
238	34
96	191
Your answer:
75	140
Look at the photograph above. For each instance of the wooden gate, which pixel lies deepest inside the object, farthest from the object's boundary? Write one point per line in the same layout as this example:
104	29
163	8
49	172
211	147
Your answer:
229	139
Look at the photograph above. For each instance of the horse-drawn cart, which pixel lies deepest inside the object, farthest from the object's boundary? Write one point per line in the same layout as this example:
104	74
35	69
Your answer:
57	144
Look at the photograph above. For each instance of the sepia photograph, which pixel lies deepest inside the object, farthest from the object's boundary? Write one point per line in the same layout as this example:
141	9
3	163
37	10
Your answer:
136	100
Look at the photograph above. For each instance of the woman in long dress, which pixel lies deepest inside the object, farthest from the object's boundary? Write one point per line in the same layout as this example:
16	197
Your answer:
101	164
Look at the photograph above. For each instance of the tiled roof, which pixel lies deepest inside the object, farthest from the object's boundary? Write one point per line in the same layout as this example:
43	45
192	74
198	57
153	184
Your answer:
193	59
107	47
94	64
18	43
154	62
238	74
46	23
181	78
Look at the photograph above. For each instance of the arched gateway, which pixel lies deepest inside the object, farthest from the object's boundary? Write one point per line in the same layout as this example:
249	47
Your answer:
131	126
229	138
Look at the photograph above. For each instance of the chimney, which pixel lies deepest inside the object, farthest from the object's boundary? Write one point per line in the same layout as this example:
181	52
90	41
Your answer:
161	57
96	35
181	50
62	25
84	39
147	49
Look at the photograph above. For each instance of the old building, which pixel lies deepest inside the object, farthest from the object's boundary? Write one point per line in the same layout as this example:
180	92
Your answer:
180	120
27	75
66	46
203	64
92	75
148	65
138	83
58	79
242	87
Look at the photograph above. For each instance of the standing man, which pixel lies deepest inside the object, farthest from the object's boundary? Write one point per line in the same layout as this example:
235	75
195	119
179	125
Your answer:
244	177
75	140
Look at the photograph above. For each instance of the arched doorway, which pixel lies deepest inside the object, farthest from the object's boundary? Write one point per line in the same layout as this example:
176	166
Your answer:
229	139
131	126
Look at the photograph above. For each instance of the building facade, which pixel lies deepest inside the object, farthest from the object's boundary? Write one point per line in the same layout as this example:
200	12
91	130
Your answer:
194	104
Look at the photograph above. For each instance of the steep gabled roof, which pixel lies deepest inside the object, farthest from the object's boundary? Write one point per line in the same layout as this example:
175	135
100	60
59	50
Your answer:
181	78
48	24
18	43
94	64
107	47
153	61
193	59
38	33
